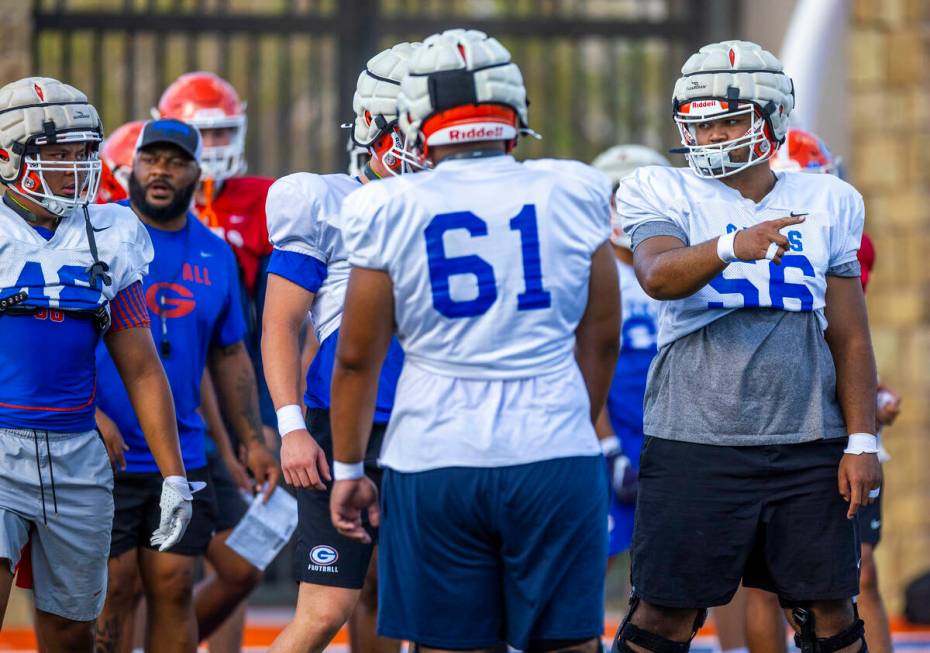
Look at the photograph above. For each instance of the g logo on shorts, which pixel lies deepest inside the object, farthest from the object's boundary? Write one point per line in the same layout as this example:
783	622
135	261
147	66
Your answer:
323	555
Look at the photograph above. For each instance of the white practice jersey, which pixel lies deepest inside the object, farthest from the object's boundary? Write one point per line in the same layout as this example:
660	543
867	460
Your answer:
55	272
673	201
302	209
490	261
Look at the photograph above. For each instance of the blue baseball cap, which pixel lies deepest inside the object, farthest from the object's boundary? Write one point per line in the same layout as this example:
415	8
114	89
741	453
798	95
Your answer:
175	132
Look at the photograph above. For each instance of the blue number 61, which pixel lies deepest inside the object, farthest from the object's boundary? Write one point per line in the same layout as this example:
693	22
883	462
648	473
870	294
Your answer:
442	267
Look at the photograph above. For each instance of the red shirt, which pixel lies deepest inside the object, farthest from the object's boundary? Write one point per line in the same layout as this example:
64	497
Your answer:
240	217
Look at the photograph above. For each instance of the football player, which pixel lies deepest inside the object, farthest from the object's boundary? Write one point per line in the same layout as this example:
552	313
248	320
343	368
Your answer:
70	276
308	271
804	151
233	206
759	412
494	509
620	426
193	295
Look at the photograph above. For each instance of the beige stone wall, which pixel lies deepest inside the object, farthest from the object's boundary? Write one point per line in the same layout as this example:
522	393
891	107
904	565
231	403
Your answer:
889	101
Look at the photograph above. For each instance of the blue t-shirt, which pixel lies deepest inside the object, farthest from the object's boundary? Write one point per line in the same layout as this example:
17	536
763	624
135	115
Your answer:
192	293
309	273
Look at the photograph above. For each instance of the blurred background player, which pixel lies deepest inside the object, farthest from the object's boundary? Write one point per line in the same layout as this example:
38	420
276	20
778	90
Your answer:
233	206
804	151
309	271
116	154
758	469
620	425
70	277
192	294
494	515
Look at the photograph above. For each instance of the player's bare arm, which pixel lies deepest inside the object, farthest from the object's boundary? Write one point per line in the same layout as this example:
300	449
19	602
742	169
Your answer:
216	430
847	335
364	338
667	269
232	371
286	306
113	439
597	338
135	357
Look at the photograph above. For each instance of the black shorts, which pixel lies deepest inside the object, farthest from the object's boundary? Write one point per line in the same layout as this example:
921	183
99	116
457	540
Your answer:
231	506
322	556
771	516
869	519
137	513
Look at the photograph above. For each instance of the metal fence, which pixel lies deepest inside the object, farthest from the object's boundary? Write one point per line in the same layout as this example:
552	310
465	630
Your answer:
598	72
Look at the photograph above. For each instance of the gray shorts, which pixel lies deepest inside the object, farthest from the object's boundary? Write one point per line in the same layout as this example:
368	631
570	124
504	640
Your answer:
57	491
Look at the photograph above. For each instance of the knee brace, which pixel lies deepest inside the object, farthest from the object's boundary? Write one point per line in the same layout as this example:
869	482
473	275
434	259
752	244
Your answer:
628	632
808	641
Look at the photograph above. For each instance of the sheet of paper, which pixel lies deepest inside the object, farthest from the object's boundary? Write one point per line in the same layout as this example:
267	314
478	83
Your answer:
265	528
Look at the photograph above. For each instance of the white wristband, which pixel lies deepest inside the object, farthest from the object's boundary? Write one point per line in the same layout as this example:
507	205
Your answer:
725	247
290	418
609	445
861	443
347	471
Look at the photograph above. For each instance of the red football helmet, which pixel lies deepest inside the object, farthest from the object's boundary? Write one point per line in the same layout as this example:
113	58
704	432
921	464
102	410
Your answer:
116	153
804	151
210	103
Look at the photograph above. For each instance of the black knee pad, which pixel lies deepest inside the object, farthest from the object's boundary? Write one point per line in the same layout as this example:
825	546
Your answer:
808	641
628	632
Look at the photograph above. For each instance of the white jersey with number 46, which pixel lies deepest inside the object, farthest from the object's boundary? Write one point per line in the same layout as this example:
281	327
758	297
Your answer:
490	261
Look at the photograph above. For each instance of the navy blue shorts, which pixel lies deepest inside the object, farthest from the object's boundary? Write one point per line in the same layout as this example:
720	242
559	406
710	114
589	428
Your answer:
471	557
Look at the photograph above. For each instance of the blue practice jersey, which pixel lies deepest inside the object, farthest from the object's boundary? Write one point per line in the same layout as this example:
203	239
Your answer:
192	293
47	370
637	349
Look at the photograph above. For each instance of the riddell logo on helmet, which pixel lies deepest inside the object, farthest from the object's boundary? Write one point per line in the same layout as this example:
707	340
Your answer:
703	104
476	133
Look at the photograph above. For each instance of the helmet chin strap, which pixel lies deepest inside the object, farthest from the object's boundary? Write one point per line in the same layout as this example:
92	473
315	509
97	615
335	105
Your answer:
369	173
12	198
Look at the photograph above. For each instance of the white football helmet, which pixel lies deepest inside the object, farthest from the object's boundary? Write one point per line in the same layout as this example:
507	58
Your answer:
38	111
375	105
725	80
616	163
462	88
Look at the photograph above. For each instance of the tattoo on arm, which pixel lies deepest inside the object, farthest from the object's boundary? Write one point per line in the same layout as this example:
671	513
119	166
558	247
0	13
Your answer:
246	394
234	379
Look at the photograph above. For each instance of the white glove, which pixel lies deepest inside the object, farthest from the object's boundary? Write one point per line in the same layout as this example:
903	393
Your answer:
177	496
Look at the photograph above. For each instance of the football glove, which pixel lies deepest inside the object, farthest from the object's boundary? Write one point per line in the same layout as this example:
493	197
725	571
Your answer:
624	479
177	496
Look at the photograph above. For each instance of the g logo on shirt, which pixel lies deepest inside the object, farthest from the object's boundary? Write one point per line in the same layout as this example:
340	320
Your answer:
169	300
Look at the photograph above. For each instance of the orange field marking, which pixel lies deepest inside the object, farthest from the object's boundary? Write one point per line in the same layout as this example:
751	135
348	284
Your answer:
23	639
